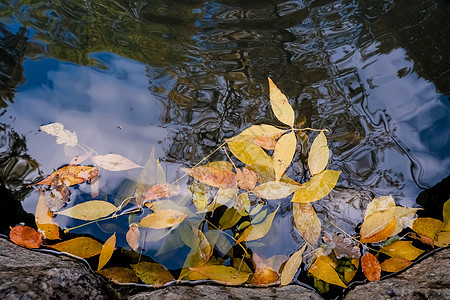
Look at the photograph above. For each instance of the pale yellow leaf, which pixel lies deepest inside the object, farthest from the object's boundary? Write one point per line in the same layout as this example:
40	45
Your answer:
90	210
280	105
380	235
147	178
133	236
318	154
442	239
292	265
404	217
256	131
403	249
152	273
275	190
317	187
163	219
377	222
114	162
446	214
83	247
63	136
249	153
307	222
222	274
283	153
107	251
222	197
44	220
323	269
254	232
379	204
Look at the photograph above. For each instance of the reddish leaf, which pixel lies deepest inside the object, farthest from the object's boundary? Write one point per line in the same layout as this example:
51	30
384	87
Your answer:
246	179
223	179
133	235
26	237
159	191
371	267
395	264
71	175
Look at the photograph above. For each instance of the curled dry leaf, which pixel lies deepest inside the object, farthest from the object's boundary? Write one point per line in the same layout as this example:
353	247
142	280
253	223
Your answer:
57	196
283	153
318	154
25	236
246	179
317	187
403	249
152	273
107	251
119	275
90	210
71	175
63	136
133	235
306	221
292	265
395	264
371	267
114	162
159	191
83	247
44	220
163	219
222	179
280	105
323	269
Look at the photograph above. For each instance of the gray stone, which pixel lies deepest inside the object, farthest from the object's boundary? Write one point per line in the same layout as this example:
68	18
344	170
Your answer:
427	279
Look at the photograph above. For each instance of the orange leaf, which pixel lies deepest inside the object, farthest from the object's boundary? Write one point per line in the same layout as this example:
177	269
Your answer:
371	267
265	142
107	251
246	179
264	276
222	179
395	264
71	175
83	247
133	236
382	234
158	191
26	237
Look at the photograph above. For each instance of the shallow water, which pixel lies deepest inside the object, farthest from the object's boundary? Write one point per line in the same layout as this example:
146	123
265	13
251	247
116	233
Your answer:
181	76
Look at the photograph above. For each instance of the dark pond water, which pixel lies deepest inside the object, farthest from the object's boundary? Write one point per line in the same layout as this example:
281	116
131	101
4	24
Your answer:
181	76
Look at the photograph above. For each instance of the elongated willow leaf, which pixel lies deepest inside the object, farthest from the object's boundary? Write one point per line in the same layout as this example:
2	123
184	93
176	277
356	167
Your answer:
318	154
90	210
307	222
63	136
254	232
283	154
114	162
222	274
280	105
317	187
292	265
107	251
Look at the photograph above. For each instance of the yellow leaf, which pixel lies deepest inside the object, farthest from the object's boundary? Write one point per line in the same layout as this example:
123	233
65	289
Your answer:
44	220
90	210
379	204
163	219
379	235
404	217
254	232
147	178
442	239
83	247
261	135
229	218
317	187
323	268
222	197
71	175
222	274
292	265
119	275
273	190
377	222
199	195
114	162
427	226
133	236
63	136
283	153
318	154
219	178
107	251
306	221
395	264
280	105
403	249
249	153
152	273
446	214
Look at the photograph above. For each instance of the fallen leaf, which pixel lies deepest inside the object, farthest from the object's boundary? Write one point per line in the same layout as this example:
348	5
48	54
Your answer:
378	205
199	195
446	215
242	204
63	136
424	239
371	267
283	153
25	236
90	210
44	220
395	264
404	218
222	274
345	247
377	222
348	273
427	226
307	222
222	179
107	251
442	239
119	275
249	153
254	232
114	162
262	135
159	191
229	218
318	154
133	236
222	197
147	178
264	276
323	269
160	174
83	247
246	179
258	218
221	165
317	187
71	175
201	245
273	190
163	219
292	266
152	273
280	105
403	249
379	235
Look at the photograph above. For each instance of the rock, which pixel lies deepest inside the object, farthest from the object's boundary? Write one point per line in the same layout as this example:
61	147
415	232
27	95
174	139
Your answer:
216	292
428	279
27	274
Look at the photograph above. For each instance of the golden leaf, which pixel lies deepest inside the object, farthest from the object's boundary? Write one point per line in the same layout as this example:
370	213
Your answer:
114	162
404	217
63	136
377	222
292	265
446	214
379	204
318	154
83	247
163	219
44	220
219	178
152	273
107	251
90	210
71	175
323	269
280	105
249	153
229	218
379	235
427	226
283	153
403	249
246	179
306	221
254	232
442	239
199	195
119	275
395	264
371	267
133	236
317	187
25	236
222	274
258	131
273	190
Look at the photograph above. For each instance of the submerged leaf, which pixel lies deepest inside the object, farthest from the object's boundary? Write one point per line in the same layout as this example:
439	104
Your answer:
147	178
273	190
395	264
280	105
119	275
219	178
371	267
307	222
257	231
63	136
163	219
323	269
152	273
107	251
246	179
403	249
71	175
83	247
159	191
44	220
133	236
90	210
292	265
249	153
222	274
283	154
25	236
114	162
318	154
317	187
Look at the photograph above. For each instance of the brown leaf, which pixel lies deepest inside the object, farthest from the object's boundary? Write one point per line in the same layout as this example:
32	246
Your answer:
371	267
264	276
71	175
133	235
265	142
246	179
26	237
159	191
58	195
223	179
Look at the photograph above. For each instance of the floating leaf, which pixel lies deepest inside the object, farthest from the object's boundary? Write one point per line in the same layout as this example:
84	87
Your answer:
249	153
83	247
57	196
424	239
317	187
427	226
371	267
283	154
258	218
246	179
442	239
306	221
377	222
63	136
119	275
379	204
343	247
229	218
242	204
446	214
292	265
159	191
163	219
404	218
71	175
380	235
259	133
395	264
199	195
280	105
107	251
323	269
90	210
274	190
257	231
147	178
133	236
160	174
222	274
264	276
114	162
403	249
44	220
219	178
152	273
318	154
25	236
